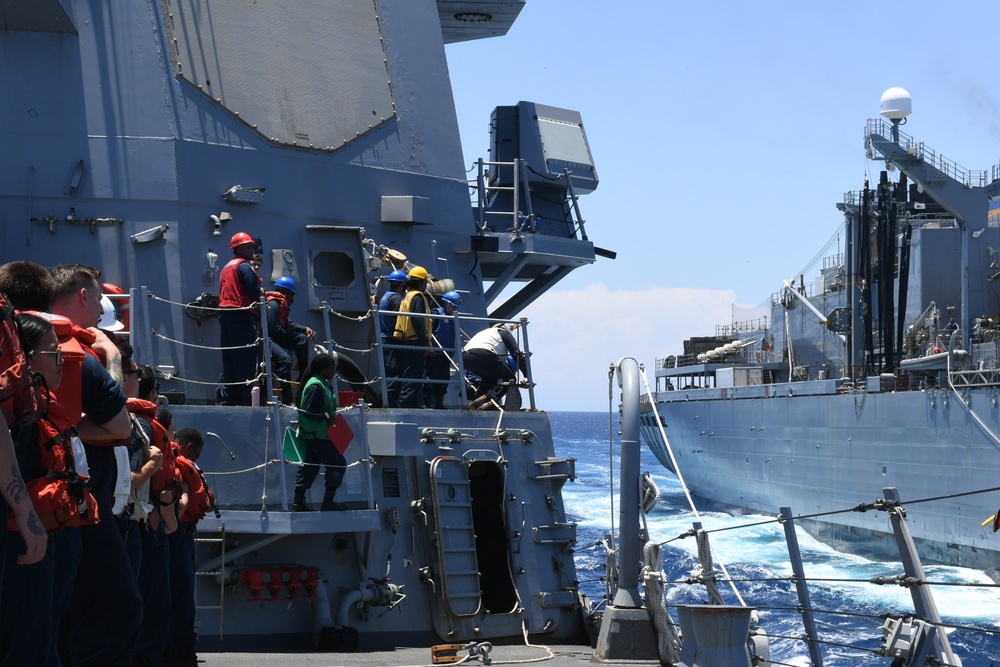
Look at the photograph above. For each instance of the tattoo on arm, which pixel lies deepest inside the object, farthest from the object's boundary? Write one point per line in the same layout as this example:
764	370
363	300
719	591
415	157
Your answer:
16	489
115	371
35	524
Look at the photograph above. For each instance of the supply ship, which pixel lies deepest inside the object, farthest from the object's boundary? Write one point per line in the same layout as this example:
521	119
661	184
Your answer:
881	373
139	136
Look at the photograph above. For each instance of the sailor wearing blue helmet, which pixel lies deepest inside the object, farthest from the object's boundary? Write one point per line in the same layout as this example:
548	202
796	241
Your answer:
287	338
439	365
388	306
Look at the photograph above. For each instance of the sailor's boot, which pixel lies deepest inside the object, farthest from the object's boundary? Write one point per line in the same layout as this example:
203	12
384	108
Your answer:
299	502
328	504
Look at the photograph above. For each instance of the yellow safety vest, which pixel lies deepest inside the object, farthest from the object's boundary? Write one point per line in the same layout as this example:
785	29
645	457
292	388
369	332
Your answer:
405	329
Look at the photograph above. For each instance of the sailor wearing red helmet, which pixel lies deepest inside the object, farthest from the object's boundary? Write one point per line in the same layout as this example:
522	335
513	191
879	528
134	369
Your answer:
239	289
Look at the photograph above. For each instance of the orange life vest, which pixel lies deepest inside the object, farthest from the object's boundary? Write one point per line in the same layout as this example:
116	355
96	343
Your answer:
166	476
231	291
60	495
282	307
75	343
21	400
200	497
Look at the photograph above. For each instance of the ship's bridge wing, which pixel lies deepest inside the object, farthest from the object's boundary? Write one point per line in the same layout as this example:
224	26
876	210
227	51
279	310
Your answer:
465	20
538	259
529	226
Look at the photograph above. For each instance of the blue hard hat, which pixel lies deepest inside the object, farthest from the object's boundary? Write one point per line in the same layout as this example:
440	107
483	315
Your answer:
397	276
452	297
286	282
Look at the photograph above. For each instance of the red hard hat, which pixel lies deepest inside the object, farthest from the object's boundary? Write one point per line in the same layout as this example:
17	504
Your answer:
240	238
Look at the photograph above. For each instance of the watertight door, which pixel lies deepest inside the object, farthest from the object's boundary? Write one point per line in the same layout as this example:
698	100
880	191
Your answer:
456	537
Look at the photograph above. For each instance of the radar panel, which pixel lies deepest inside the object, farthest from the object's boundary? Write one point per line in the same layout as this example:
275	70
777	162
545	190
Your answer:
320	81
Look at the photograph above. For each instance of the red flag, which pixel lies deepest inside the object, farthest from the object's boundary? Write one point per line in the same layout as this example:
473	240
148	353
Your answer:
340	434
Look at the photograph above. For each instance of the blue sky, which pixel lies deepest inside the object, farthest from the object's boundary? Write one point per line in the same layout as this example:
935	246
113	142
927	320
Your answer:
724	134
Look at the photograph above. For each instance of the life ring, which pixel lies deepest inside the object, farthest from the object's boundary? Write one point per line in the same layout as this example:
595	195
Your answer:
936	350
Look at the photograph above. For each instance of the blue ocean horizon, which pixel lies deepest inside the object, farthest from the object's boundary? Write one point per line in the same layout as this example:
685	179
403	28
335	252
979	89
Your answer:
758	552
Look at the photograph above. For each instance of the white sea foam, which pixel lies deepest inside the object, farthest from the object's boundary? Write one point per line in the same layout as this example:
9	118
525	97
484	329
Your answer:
839	580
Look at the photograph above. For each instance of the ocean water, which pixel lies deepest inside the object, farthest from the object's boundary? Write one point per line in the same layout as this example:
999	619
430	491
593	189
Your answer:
759	552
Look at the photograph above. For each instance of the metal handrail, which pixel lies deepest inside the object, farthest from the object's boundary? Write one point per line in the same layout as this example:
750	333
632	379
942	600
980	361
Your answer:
455	352
919	151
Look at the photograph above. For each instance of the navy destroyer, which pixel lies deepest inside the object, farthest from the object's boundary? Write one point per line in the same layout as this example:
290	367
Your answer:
140	136
882	372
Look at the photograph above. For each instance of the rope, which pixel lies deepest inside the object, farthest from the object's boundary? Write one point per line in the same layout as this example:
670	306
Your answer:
241	383
806	640
880	505
254	306
668	639
900	580
611	570
680	478
707	574
879	617
366	350
360	318
303	464
206	347
649	493
240	472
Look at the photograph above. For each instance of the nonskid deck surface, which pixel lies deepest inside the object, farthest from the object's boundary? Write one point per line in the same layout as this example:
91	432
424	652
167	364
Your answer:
563	655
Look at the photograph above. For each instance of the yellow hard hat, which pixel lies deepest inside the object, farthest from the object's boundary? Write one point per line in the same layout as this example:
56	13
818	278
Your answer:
417	273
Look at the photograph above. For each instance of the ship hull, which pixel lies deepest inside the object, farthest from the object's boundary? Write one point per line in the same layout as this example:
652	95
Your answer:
756	449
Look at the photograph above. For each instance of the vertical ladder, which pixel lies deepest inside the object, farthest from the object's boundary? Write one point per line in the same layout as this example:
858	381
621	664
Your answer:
220	540
461	590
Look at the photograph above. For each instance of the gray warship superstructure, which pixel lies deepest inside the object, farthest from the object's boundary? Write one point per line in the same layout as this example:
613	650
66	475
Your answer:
883	372
139	136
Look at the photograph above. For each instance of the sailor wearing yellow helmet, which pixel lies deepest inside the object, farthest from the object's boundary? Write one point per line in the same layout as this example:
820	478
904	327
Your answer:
415	334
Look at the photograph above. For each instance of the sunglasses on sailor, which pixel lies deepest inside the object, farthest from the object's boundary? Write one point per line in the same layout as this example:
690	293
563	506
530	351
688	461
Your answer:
57	352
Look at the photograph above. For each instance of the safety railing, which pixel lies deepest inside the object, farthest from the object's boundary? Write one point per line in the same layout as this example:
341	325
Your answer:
970	177
459	381
151	345
522	214
143	336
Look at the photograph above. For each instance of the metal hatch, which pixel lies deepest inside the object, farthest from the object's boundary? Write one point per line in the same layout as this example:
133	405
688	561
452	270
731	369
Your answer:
456	537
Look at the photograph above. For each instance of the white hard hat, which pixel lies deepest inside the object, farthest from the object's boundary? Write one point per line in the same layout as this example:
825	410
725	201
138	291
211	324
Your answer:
109	322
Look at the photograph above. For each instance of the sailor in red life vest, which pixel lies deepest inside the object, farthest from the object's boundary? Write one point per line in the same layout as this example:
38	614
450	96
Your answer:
27	286
106	607
154	570
287	338
46	461
196	500
145	458
239	288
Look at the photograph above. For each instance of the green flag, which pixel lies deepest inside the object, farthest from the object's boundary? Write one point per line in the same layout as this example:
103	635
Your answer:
292	446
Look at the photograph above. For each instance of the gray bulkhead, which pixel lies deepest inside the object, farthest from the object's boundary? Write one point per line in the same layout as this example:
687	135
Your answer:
161	129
